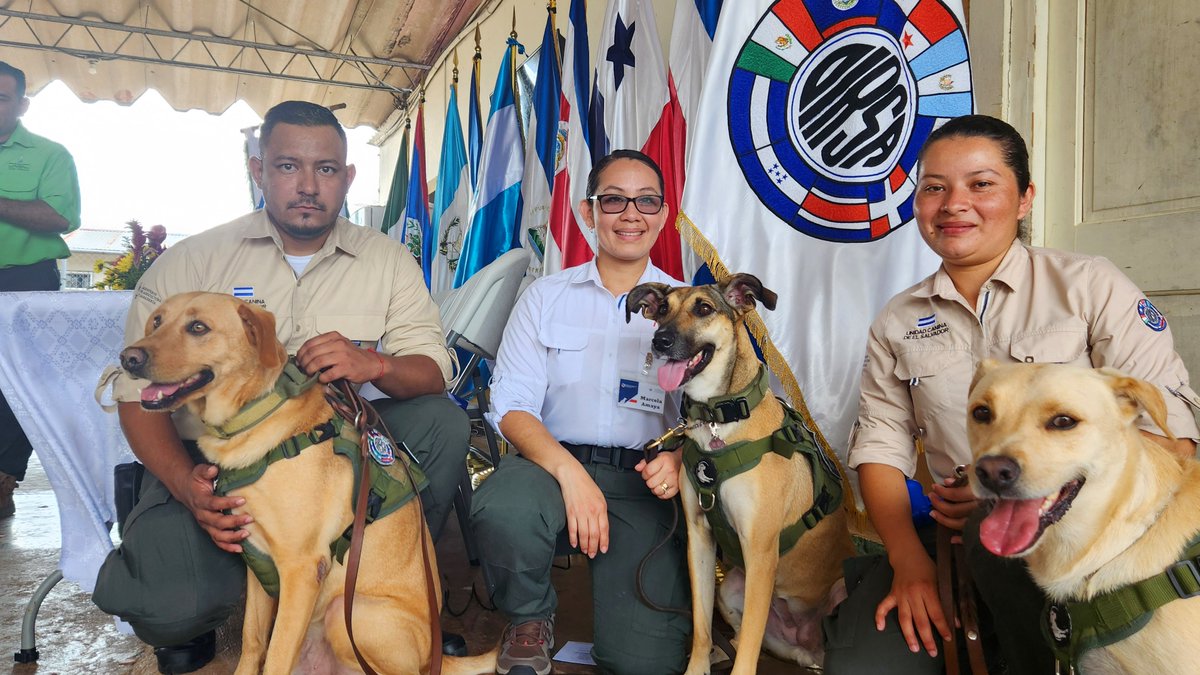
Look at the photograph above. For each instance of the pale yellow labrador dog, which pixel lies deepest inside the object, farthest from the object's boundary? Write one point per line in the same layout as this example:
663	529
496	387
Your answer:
217	354
1106	518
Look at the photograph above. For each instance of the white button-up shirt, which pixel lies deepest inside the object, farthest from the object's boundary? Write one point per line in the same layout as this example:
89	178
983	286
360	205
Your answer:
564	351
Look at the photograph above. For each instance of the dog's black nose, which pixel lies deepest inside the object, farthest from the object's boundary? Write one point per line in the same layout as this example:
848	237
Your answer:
134	359
663	340
998	473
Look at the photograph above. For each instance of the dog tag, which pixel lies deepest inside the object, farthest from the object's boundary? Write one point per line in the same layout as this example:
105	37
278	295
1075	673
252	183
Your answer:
380	448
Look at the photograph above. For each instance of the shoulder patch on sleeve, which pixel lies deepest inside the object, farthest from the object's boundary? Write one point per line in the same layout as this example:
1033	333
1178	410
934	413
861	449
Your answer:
1151	316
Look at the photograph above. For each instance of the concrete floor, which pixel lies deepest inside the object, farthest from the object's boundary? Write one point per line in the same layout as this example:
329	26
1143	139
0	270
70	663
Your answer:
75	637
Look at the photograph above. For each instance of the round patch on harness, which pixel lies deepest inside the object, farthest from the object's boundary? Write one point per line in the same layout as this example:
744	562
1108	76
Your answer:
1058	620
1151	316
706	472
380	448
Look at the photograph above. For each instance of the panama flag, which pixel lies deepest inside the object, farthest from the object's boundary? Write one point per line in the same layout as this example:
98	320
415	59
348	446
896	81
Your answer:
567	245
691	43
812	116
393	212
450	202
496	205
541	150
416	213
474	122
631	95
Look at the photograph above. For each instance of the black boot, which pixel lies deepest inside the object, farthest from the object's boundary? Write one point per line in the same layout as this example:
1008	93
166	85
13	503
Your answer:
187	657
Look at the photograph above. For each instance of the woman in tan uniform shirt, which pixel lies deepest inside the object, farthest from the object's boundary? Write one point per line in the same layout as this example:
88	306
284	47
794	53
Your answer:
992	297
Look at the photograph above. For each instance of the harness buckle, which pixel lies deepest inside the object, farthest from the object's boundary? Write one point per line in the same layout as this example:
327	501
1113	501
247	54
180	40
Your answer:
712	501
1175	576
732	411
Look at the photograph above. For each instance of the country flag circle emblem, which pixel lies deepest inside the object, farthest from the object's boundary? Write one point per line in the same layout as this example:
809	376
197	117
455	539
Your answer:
828	107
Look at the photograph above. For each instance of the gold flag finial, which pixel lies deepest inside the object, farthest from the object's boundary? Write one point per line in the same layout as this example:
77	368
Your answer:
551	6
455	72
478	49
513	34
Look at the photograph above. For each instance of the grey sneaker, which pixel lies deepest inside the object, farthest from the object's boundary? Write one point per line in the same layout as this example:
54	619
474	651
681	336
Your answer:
525	648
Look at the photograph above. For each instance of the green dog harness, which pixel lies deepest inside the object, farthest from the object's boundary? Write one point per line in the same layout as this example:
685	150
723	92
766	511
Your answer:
707	470
390	486
1074	628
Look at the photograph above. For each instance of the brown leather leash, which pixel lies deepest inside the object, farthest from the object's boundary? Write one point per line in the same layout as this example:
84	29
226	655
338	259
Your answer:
346	402
951	567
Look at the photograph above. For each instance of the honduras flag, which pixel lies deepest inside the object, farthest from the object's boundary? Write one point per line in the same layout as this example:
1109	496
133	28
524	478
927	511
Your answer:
544	144
451	201
474	122
496	205
416	215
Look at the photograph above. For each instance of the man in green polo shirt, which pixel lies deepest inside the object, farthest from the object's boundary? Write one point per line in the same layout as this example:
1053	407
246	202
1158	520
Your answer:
39	202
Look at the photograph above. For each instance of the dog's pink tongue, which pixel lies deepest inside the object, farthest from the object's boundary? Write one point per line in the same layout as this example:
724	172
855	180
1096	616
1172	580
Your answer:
150	393
1011	526
670	374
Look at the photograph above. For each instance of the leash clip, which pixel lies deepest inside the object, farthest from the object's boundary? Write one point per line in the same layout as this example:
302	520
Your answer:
712	501
651	449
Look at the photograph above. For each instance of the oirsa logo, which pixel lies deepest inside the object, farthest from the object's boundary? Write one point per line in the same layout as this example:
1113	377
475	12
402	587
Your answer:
830	102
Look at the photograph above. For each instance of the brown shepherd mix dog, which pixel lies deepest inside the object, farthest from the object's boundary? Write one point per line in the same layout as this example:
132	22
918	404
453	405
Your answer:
777	601
215	353
1087	500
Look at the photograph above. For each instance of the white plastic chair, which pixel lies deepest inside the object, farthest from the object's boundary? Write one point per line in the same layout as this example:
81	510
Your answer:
474	316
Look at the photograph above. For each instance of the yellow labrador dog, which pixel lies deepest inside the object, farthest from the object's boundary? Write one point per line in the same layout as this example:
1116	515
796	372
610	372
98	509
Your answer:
1093	506
773	600
215	354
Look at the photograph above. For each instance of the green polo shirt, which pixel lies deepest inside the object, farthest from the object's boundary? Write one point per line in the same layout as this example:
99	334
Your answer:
32	167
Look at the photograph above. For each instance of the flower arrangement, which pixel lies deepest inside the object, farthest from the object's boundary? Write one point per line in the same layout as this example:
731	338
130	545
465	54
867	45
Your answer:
144	248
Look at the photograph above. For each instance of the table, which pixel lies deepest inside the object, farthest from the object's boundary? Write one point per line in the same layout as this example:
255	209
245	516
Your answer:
53	347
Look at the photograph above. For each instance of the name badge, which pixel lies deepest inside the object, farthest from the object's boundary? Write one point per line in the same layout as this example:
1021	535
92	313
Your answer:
636	393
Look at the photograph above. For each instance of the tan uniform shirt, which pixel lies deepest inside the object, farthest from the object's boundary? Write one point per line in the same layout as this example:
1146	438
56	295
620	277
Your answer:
1040	306
361	284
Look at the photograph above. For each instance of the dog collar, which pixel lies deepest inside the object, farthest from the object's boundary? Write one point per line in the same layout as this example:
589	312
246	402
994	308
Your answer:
731	408
290	383
707	470
1073	628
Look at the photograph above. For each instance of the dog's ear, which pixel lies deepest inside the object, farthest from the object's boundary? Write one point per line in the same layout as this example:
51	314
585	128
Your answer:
985	366
646	298
741	291
260	331
1134	396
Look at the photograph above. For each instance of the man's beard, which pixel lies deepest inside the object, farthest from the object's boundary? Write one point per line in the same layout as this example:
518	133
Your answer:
313	227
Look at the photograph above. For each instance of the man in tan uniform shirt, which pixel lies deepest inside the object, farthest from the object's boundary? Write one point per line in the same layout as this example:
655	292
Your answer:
336	290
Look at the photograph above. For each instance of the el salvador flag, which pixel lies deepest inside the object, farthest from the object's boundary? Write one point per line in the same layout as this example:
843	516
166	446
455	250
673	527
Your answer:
496	205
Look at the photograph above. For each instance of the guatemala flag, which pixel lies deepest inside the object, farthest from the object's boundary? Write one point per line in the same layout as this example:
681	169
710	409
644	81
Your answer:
496	204
450	202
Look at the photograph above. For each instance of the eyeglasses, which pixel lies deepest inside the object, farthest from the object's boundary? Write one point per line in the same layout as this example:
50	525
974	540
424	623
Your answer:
611	204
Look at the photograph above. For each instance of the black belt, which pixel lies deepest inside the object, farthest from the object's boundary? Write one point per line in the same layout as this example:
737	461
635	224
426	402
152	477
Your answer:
622	458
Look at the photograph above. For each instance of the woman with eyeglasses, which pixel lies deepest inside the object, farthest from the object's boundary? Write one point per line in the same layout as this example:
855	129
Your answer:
575	392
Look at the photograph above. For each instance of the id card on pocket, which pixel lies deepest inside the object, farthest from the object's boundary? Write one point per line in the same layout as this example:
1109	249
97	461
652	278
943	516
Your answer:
636	392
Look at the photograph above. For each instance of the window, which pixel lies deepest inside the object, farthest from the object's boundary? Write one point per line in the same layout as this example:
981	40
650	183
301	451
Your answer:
77	280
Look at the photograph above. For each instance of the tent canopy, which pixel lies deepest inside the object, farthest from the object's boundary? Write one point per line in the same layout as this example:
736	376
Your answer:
361	57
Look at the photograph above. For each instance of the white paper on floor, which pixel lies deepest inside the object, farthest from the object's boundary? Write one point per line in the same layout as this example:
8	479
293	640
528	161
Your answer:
576	652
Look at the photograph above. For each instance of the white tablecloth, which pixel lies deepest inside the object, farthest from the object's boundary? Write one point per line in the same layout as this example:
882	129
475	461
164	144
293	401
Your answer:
53	347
